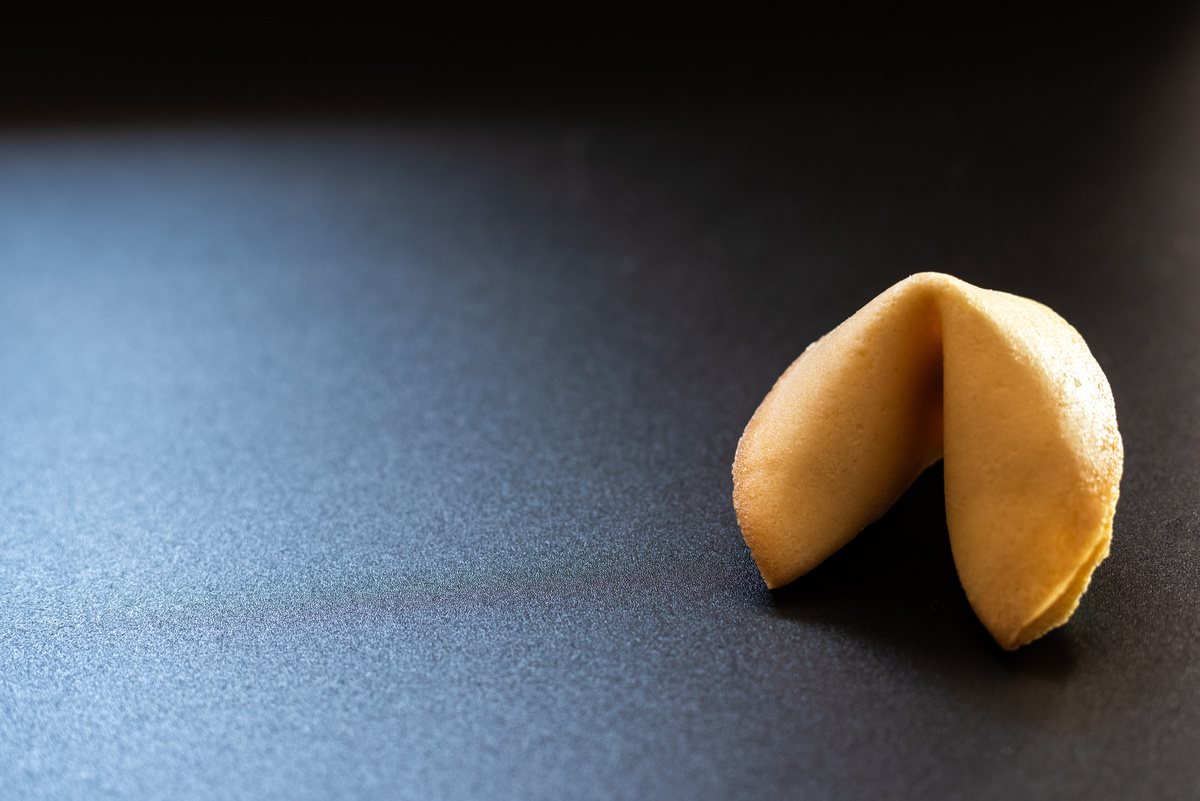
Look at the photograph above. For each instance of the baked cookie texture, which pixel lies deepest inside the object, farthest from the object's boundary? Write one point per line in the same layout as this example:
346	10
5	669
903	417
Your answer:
1001	388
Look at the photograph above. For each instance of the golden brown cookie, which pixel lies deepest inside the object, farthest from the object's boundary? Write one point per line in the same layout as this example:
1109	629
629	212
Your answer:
1002	388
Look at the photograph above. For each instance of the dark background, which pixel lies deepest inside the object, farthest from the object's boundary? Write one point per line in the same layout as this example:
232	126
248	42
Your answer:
368	392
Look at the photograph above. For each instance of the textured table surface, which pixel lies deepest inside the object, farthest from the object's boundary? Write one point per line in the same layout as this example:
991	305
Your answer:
391	459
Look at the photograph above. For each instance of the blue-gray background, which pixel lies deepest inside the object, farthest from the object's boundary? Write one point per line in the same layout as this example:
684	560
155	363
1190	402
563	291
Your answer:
390	458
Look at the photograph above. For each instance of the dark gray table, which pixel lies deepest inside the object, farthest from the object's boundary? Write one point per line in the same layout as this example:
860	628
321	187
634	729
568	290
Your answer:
390	459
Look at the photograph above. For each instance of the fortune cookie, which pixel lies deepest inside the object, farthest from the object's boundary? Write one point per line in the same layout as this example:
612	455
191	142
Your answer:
1001	388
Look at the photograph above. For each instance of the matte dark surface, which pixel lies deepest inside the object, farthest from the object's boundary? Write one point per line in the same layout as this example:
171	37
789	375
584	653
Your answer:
390	459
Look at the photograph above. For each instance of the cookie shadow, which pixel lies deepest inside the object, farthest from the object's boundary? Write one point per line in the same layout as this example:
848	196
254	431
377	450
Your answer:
895	585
